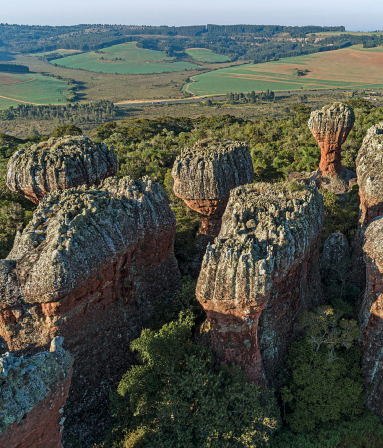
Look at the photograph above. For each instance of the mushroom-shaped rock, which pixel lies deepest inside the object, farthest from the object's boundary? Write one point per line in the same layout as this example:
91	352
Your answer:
371	316
205	174
336	258
33	392
261	271
330	126
90	266
369	168
59	164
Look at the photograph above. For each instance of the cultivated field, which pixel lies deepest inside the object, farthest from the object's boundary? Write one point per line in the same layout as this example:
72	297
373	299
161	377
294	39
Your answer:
124	59
204	55
62	51
30	88
349	68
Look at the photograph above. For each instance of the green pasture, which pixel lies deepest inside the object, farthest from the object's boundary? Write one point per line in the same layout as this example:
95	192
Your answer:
124	59
36	89
204	55
350	68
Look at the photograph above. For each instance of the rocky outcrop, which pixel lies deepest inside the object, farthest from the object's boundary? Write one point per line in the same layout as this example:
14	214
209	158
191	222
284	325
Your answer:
371	316
205	174
33	392
261	271
369	168
330	126
58	164
89	267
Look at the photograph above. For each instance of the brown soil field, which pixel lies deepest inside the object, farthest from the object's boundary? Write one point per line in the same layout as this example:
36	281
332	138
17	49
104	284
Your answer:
8	80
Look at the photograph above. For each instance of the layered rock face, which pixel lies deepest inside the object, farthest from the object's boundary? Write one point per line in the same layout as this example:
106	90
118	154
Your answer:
261	271
371	316
330	126
89	267
58	164
336	259
369	168
33	392
205	174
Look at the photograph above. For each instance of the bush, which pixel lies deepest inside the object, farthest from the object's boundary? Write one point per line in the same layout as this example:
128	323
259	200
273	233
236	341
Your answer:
178	397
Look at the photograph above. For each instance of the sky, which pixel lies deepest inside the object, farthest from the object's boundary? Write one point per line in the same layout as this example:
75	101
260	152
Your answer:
355	15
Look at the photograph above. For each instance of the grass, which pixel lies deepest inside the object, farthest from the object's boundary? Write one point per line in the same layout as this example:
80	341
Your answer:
204	55
30	88
59	51
124	59
348	68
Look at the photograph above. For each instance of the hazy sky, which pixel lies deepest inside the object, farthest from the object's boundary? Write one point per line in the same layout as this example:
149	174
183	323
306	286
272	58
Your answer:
355	15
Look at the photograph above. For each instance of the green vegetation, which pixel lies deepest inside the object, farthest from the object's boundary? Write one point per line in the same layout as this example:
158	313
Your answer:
122	59
31	88
178	397
348	68
204	55
13	68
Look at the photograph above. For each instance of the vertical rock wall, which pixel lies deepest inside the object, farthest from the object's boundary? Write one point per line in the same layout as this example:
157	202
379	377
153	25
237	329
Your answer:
260	273
371	316
33	392
89	267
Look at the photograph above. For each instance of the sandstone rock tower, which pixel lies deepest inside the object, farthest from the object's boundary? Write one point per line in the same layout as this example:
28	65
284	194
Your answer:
89	267
205	174
261	271
371	316
58	164
369	168
33	392
330	126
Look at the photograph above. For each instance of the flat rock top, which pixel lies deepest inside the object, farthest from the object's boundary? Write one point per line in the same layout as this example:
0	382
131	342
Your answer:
211	168
74	232
332	117
369	164
268	220
55	150
25	382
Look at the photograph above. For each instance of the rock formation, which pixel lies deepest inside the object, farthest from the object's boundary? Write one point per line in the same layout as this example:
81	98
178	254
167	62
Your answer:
261	271
205	174
371	316
330	126
58	164
369	168
89	267
33	392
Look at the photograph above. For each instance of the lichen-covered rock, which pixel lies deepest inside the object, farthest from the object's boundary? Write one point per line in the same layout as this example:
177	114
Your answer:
205	174
336	258
33	392
330	126
59	164
90	266
371	316
369	168
261	271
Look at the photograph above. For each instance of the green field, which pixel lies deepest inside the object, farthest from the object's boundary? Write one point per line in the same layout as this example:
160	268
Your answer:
349	68
30	88
204	55
124	59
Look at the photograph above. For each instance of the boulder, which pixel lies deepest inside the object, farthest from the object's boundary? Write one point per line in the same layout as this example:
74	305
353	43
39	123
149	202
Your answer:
330	126
260	273
33	392
205	174
58	164
89	266
371	316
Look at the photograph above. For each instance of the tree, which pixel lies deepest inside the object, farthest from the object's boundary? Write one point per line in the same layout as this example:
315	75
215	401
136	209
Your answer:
66	129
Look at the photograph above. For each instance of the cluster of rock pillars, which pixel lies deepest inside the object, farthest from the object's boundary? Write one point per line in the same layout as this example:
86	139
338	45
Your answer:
86	272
